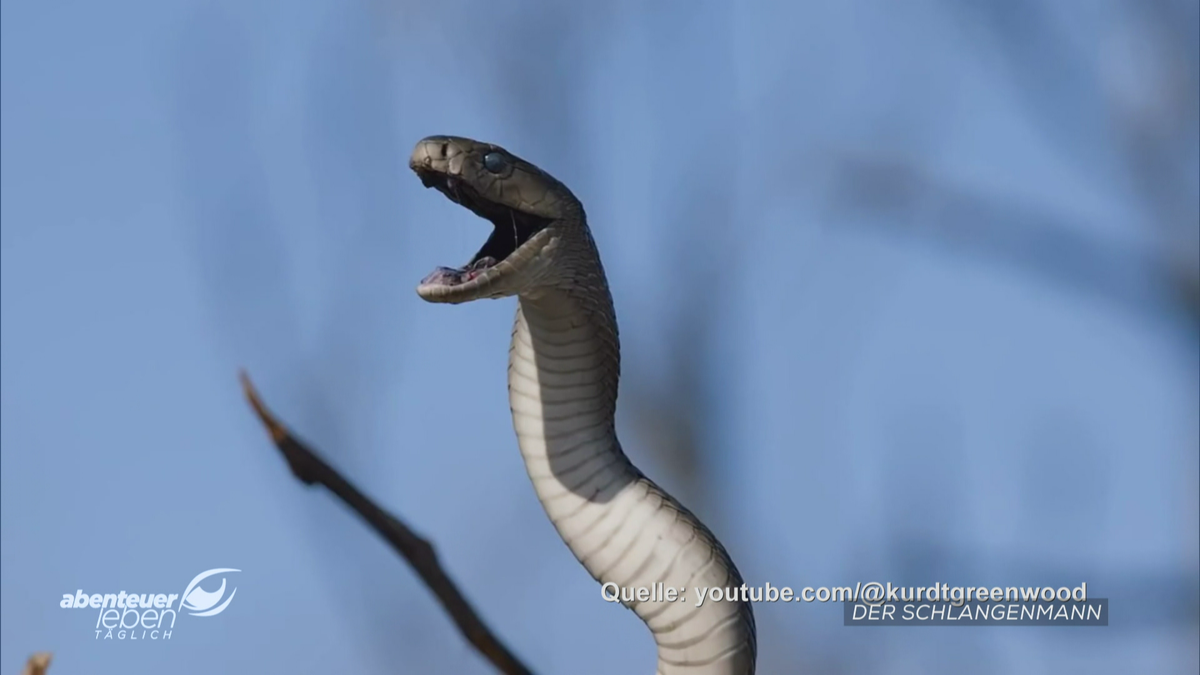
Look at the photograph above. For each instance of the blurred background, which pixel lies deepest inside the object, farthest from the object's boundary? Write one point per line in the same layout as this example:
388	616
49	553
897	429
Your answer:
908	292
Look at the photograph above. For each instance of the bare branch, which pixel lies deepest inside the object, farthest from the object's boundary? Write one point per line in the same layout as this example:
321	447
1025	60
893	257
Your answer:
37	664
310	469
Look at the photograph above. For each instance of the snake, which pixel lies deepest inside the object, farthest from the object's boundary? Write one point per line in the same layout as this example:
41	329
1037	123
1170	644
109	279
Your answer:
648	552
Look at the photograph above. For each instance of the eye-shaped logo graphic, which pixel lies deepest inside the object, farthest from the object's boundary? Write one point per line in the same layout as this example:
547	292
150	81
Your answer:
200	602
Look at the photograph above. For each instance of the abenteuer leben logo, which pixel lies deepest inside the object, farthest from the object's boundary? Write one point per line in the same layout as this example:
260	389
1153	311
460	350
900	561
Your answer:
151	616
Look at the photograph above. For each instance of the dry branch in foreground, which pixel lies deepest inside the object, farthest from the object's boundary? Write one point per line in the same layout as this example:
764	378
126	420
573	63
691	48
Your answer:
418	552
37	664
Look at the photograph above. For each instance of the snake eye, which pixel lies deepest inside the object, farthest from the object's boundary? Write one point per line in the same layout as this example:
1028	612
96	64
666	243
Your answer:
494	162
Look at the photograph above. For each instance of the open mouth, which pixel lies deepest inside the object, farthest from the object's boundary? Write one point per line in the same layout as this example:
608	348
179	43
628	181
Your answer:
511	228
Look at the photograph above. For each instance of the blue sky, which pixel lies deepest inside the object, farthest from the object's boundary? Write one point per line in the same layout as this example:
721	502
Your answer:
194	187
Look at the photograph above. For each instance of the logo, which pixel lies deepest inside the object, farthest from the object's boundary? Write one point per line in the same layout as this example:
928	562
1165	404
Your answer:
151	616
200	602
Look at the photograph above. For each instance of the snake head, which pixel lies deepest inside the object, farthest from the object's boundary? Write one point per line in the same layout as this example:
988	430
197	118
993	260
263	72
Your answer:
528	208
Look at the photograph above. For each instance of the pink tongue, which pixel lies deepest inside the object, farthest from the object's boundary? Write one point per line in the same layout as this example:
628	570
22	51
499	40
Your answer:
450	276
443	276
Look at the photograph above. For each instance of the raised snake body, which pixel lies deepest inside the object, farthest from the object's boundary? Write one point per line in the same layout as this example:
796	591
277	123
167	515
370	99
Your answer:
564	364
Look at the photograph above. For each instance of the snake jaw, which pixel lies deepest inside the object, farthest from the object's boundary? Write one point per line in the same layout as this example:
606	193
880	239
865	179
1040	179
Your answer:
430	178
530	212
459	176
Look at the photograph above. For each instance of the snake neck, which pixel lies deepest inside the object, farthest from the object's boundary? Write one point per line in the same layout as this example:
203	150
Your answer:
564	365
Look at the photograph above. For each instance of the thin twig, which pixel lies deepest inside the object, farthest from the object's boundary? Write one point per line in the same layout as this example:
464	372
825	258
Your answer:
37	664
418	552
